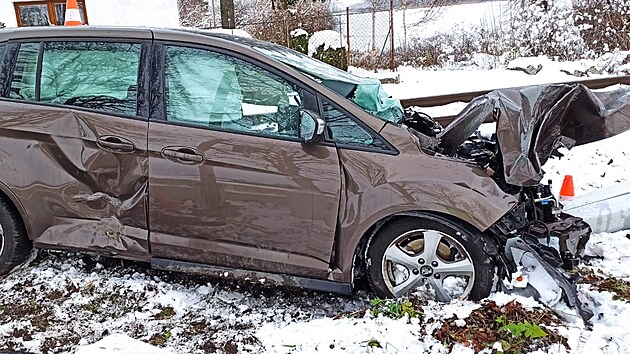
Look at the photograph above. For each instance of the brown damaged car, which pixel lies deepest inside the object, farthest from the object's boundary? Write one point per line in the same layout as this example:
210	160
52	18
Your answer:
215	154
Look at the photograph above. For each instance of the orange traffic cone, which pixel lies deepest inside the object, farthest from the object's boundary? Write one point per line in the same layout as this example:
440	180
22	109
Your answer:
567	191
73	16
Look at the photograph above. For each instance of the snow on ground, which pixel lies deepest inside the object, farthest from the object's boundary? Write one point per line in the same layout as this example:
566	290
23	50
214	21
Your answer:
593	166
434	82
75	303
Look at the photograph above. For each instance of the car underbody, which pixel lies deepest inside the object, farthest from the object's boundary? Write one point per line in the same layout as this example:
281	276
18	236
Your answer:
540	245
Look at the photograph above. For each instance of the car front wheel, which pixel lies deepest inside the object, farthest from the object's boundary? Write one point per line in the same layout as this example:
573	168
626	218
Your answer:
429	256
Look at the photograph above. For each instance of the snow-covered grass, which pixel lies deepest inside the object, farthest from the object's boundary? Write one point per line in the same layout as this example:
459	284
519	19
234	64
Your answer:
72	303
469	77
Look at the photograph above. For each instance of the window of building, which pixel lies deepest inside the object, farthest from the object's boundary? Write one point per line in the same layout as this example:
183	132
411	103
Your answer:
45	13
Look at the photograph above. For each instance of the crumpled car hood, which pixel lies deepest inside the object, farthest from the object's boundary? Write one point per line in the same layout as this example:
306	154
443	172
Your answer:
533	122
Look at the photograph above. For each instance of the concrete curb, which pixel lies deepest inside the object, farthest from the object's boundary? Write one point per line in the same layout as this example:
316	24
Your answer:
606	210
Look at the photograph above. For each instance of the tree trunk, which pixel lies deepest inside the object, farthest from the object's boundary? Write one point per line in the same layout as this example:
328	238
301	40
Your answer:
227	14
373	28
405	28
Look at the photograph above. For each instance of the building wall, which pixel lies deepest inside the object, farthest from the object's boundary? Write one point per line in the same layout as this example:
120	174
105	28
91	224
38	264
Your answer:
150	13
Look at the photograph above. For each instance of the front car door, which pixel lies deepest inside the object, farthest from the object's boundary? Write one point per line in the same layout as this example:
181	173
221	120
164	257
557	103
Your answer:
73	139
230	183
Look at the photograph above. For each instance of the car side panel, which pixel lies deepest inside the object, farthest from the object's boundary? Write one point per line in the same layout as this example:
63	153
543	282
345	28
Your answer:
377	187
76	194
253	203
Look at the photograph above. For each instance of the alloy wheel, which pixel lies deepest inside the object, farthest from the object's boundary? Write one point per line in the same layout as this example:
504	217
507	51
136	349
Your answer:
428	260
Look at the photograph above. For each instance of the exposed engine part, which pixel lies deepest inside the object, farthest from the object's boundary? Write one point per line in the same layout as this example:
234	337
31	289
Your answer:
541	204
539	242
421	122
572	233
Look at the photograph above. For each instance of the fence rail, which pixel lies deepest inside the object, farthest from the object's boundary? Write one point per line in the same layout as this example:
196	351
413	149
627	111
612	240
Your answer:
431	101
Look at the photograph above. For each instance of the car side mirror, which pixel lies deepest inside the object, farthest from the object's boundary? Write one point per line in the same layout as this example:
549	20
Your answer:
311	126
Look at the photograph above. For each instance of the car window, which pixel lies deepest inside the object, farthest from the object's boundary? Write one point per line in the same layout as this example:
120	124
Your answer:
24	73
95	75
344	130
210	89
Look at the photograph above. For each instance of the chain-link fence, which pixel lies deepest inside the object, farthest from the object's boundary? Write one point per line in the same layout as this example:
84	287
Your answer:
368	37
372	36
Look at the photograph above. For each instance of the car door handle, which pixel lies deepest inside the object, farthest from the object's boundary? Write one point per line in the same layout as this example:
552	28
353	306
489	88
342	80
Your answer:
182	154
115	143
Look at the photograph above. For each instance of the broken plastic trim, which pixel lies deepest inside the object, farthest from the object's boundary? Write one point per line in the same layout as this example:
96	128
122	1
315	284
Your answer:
559	276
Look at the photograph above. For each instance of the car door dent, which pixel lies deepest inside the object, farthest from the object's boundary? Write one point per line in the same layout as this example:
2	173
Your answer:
80	195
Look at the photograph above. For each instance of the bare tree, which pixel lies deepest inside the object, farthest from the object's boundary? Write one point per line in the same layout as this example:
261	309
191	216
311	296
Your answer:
193	13
227	14
433	7
375	6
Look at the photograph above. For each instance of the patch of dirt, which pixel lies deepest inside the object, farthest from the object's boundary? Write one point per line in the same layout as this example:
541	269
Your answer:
487	325
209	346
61	344
620	288
230	347
22	333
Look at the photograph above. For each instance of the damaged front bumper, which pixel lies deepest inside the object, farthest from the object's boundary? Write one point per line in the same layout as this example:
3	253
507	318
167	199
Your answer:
541	244
540	255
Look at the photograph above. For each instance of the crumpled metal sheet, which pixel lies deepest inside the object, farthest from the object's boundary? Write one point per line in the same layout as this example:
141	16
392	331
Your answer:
77	194
534	121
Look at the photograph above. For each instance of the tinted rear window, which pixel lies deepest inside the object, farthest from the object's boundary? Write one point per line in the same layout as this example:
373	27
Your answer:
96	75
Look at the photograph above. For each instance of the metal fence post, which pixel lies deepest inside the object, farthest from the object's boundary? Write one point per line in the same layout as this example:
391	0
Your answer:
286	30
392	63
348	35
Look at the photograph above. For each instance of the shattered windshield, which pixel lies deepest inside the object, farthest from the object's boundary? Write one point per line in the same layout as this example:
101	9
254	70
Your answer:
366	93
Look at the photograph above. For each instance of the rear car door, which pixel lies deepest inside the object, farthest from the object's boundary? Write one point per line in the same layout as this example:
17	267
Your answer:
230	183
73	135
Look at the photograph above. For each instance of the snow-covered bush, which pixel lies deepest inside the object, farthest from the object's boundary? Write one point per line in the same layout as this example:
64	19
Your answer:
334	56
460	45
1	25
330	47
194	13
299	40
547	27
604	25
258	18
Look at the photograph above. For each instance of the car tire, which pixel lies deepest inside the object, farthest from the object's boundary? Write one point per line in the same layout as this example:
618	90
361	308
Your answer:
14	244
457	248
